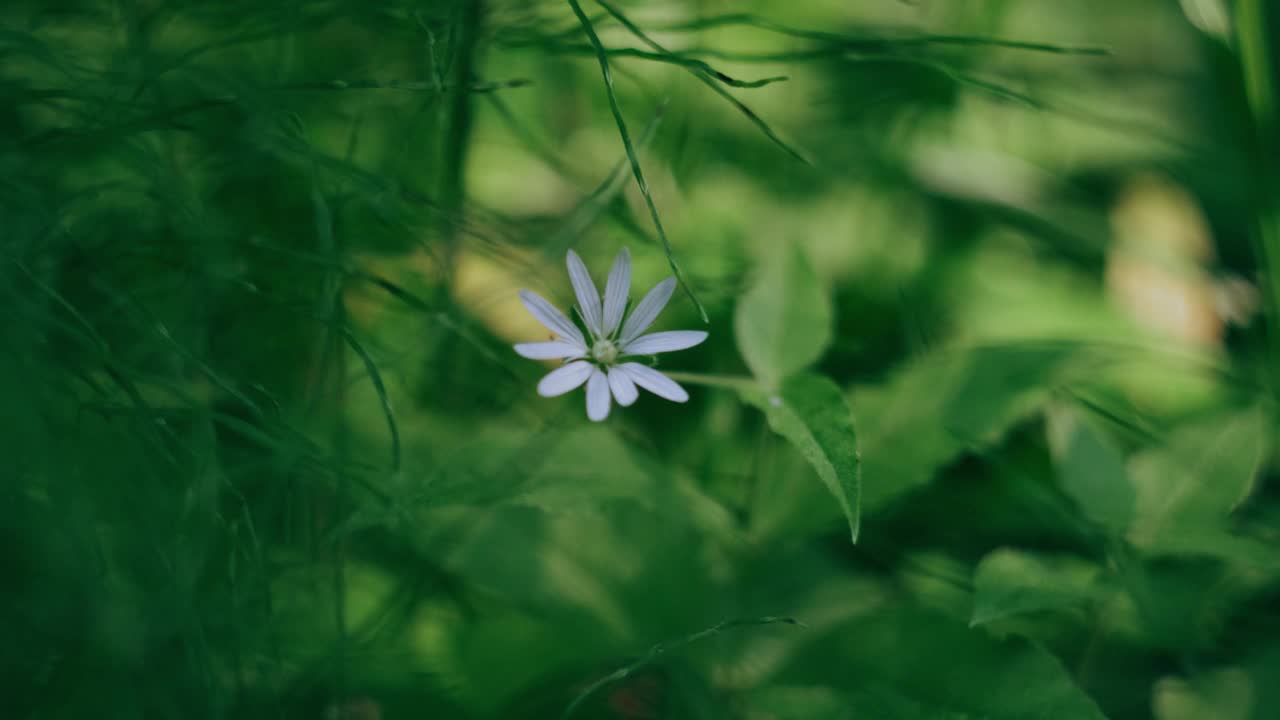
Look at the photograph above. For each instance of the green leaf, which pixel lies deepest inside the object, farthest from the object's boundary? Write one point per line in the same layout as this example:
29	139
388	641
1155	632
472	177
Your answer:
811	412
1185	602
945	403
887	705
1010	582
556	472
1192	483
1225	693
931	666
664	649
783	324
1091	469
811	703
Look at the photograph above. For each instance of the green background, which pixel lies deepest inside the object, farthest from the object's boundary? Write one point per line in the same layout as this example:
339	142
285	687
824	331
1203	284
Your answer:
989	289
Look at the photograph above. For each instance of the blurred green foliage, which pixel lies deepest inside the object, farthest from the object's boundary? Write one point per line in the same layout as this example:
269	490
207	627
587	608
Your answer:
990	286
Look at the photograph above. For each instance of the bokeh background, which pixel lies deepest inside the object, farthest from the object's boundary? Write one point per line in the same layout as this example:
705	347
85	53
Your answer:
987	281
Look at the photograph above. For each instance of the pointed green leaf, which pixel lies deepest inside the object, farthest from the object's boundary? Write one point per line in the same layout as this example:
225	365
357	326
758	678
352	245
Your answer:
1192	483
944	403
811	412
938	668
783	324
1091	469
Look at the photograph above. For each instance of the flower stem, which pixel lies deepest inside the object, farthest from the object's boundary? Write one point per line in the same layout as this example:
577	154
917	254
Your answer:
730	382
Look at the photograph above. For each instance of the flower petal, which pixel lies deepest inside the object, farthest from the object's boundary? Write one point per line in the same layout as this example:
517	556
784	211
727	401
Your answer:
661	342
562	380
597	396
654	381
615	292
551	318
585	289
551	350
624	390
647	310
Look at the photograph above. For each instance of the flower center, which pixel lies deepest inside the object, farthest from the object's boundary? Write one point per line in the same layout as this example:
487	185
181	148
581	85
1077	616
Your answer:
604	352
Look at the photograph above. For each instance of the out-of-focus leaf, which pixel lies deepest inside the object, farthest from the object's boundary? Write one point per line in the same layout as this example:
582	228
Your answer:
823	703
944	403
603	573
569	475
797	702
1222	543
1010	582
664	649
555	471
1183	602
811	412
1224	694
783	324
1264	669
885	705
1202	472
942	666
1091	469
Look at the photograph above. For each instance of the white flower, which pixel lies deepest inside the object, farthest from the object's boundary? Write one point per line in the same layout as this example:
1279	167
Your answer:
601	363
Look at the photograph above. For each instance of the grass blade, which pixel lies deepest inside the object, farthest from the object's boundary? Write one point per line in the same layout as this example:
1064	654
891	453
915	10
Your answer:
381	389
665	647
603	58
709	75
586	212
853	41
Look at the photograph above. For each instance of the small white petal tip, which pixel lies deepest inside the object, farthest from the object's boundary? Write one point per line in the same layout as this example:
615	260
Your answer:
597	396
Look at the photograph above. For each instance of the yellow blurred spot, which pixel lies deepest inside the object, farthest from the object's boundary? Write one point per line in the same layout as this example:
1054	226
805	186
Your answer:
505	175
486	288
1155	268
